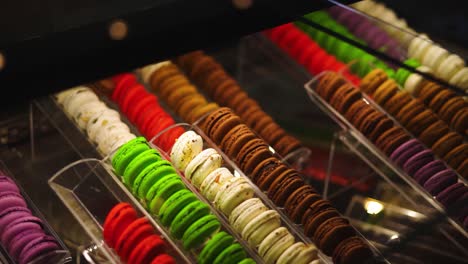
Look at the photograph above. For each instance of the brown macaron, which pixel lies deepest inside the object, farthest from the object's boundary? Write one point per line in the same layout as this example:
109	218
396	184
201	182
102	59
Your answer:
200	112
329	84
301	205
187	60
237	141
264	167
421	121
213	80
459	121
202	67
331	232
355	108
256	154
182	91
353	250
397	101
237	99
246	105
407	113
368	125
286	145
266	178
433	133
253	118
391	139
312	225
383	125
446	143
223	126
428	91
385	91
247	148
297	196
186	104
457	155
361	116
315	208
214	117
161	74
451	107
372	81
281	192
440	99
463	169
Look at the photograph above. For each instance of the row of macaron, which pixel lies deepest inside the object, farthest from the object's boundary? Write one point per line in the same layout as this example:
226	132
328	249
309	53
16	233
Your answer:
133	238
235	197
228	194
431	128
161	190
409	154
362	62
142	109
445	103
365	29
306	51
444	64
211	77
22	234
177	89
101	123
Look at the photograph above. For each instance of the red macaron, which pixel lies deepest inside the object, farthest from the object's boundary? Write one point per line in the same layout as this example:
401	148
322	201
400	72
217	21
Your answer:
136	232
147	250
123	82
116	221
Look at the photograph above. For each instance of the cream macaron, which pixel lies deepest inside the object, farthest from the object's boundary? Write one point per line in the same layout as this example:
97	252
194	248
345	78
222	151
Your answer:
261	226
203	164
245	212
275	244
212	183
186	147
237	191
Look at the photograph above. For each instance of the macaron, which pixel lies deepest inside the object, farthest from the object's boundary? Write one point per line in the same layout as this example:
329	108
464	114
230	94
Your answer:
187	216
165	189
260	226
275	244
238	191
352	250
440	181
20	227
406	151
331	232
245	212
138	164
429	169
133	234
214	181
116	221
150	175
200	231
147	250
163	259
186	147
232	254
418	161
203	164
219	242
37	247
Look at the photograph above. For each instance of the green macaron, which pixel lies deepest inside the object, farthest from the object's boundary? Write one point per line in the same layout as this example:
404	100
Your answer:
199	231
247	261
165	190
174	204
149	196
214	247
150	175
138	164
126	153
231	255
191	213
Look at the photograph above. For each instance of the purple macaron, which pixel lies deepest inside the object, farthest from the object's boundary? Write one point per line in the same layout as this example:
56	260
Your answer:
406	150
37	248
20	241
7	184
440	181
449	195
426	171
10	214
11	199
418	161
20	225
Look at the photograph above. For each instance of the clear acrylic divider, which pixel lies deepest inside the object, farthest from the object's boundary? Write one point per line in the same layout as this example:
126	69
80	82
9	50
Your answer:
369	153
90	189
295	229
59	256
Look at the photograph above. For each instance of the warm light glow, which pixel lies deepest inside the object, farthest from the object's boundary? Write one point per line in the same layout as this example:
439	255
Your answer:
236	173
373	207
394	237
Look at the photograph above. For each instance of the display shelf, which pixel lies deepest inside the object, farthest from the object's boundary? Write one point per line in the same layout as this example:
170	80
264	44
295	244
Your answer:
369	153
80	184
59	256
296	230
